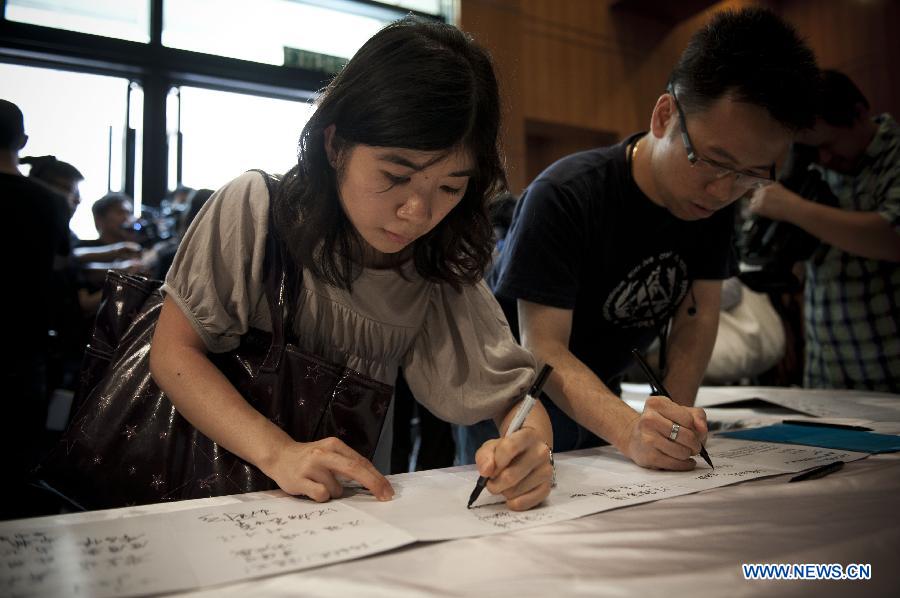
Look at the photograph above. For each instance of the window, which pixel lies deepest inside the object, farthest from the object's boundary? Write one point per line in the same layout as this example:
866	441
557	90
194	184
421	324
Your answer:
431	7
88	132
225	134
266	30
196	136
121	19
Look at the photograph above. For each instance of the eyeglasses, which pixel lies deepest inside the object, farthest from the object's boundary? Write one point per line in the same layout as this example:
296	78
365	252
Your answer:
743	181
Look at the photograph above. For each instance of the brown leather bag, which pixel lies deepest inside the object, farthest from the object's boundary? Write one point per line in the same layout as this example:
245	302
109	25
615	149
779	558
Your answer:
127	444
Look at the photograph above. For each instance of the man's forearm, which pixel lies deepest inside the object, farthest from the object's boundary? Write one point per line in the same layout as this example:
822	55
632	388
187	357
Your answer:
691	343
642	437
584	397
866	234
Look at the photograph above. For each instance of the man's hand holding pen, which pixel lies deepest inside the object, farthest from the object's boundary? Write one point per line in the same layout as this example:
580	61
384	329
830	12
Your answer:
666	435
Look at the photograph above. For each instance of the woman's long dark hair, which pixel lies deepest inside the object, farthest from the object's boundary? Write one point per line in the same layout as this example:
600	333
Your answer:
416	84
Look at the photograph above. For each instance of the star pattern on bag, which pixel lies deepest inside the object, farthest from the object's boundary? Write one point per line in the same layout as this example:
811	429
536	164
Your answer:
208	482
70	442
199	448
340	388
313	372
130	432
84	378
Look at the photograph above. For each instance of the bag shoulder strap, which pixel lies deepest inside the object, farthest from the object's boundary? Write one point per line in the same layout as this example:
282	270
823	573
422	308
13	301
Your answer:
279	275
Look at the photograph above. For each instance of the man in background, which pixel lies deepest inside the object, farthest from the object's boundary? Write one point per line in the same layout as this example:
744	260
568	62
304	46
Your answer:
852	291
37	232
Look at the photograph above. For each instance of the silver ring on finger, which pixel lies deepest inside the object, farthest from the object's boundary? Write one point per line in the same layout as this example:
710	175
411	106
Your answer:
552	466
674	433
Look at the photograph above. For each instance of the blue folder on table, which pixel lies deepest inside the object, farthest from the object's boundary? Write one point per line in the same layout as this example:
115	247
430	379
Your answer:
847	440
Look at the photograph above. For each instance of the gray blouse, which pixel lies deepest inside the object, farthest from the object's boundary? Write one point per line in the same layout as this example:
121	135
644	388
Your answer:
457	351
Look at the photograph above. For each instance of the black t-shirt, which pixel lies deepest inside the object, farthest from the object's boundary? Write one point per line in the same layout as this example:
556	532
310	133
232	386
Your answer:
585	237
37	232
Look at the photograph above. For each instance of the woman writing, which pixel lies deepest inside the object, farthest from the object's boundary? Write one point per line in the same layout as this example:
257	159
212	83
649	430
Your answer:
386	211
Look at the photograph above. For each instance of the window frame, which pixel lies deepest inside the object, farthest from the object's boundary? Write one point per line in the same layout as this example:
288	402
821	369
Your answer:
158	68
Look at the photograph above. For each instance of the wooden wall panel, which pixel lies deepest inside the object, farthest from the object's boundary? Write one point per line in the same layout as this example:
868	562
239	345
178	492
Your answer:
579	72
860	38
496	25
599	65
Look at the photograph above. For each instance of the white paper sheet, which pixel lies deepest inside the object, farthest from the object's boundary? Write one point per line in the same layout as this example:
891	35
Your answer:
819	403
433	507
185	549
108	558
786	458
277	535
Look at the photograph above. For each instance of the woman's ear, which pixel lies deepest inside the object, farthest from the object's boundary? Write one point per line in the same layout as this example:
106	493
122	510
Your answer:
330	150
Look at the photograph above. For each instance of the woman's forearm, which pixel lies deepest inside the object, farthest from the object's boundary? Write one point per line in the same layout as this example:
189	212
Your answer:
205	397
537	419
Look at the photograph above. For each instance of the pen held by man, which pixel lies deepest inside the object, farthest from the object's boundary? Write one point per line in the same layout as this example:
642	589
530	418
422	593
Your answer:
683	428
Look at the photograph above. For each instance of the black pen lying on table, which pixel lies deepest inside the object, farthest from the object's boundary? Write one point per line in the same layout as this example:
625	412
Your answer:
815	424
818	472
658	389
518	419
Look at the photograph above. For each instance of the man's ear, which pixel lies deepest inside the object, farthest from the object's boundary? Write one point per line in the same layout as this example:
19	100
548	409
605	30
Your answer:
328	140
663	114
23	139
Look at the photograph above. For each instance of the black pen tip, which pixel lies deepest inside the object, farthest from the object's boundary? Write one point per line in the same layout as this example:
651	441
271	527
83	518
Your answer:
477	491
705	456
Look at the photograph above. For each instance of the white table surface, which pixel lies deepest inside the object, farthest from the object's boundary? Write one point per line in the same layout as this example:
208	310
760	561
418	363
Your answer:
686	546
691	545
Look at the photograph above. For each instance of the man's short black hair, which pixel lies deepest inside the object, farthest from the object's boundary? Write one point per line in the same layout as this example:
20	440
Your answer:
108	202
842	103
12	126
51	170
753	56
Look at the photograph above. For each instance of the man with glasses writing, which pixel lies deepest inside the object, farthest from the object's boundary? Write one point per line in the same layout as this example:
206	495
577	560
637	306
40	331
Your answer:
613	248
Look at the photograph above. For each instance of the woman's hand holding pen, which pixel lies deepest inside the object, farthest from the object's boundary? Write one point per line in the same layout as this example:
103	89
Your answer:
650	435
519	465
311	469
519	468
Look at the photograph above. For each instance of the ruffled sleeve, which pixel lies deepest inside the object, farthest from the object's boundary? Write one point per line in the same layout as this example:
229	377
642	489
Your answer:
464	365
216	277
